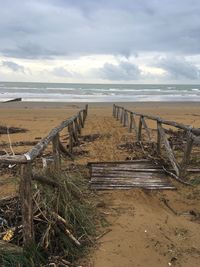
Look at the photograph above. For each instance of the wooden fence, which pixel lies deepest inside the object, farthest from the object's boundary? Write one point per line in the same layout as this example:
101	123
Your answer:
127	118
74	126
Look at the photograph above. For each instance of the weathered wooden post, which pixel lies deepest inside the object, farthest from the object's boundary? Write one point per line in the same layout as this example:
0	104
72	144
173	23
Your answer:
77	125
170	153
135	126
117	113
80	119
70	139
159	124
146	129
26	204
124	118
85	111
84	117
131	122
139	137
186	156
114	110
56	153
75	133
122	115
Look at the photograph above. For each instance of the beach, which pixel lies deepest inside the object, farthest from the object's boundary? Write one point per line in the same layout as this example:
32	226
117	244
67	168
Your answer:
40	117
142	229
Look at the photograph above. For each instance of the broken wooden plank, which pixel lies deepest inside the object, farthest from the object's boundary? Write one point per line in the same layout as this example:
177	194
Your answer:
169	150
127	174
111	187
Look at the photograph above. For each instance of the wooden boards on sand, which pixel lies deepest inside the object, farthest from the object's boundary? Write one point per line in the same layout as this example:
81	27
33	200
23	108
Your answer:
128	174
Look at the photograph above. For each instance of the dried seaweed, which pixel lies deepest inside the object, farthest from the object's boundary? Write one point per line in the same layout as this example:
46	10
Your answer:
12	130
63	221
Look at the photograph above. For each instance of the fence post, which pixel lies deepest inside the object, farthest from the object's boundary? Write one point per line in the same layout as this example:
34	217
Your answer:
77	126
80	119
114	110
26	204
75	133
86	109
125	115
186	156
131	122
56	152
117	113
159	124
122	115
70	139
140	129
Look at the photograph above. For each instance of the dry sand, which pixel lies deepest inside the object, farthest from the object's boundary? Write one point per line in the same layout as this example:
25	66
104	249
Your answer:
143	231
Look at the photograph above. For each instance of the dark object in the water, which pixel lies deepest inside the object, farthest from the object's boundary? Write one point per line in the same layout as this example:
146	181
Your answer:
13	100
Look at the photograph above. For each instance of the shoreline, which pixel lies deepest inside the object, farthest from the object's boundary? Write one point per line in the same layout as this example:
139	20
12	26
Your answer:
55	104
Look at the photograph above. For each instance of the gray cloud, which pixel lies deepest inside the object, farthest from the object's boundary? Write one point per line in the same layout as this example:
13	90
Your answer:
177	68
13	66
62	72
124	71
29	51
49	28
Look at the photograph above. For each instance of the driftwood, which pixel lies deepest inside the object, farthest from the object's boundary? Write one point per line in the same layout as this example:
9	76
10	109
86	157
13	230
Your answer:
11	130
64	151
67	231
169	150
13	100
20	143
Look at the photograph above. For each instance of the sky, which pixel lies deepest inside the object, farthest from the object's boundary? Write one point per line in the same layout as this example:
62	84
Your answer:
100	41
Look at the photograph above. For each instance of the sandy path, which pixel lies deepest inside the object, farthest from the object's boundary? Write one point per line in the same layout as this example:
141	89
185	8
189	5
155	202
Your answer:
144	232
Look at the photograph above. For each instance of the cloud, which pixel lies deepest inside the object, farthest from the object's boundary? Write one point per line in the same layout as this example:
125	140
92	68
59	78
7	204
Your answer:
62	72
123	71
13	66
53	28
29	51
177	68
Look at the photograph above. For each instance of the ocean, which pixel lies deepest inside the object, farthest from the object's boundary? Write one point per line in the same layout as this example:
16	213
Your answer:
69	92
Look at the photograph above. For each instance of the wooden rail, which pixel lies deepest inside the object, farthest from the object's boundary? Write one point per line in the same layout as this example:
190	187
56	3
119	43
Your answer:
74	126
127	118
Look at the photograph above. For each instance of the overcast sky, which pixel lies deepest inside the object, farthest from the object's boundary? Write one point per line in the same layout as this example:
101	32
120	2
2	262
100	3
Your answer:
115	41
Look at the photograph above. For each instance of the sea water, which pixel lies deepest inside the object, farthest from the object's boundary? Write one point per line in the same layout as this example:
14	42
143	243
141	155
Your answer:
69	92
